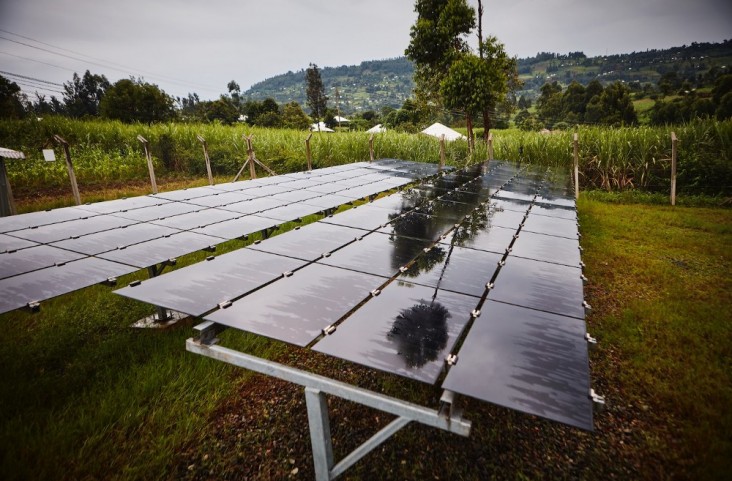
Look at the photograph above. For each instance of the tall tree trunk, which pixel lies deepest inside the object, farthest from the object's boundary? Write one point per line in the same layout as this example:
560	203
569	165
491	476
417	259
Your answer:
486	123
480	29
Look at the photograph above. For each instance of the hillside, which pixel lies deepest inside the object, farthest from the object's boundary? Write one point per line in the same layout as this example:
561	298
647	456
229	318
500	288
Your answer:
380	83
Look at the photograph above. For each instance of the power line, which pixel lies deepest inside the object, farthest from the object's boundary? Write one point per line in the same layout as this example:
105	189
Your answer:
124	69
37	61
30	78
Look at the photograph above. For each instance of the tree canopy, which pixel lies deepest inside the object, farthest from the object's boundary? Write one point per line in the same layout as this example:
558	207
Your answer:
132	100
317	101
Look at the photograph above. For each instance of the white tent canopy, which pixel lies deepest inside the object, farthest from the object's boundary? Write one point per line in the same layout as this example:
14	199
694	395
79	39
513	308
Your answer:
376	129
340	119
438	130
11	154
320	127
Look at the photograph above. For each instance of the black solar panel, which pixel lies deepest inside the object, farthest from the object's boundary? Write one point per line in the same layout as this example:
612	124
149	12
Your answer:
18	291
221	199
66	230
201	287
254	206
481	235
120	205
296	309
147	214
310	242
108	240
554	211
407	330
33	258
239	227
526	360
159	250
547	248
291	212
193	220
185	194
8	243
36	219
540	285
551	225
365	217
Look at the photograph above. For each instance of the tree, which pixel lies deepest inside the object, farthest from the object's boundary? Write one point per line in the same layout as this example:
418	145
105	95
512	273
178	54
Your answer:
437	40
501	78
293	117
83	95
549	104
317	101
467	87
132	100
222	110
617	106
11	101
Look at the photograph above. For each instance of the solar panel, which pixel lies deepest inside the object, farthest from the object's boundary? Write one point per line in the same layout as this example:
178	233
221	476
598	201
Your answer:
567	202
507	194
329	188
291	212
456	269
201	218
376	254
328	201
482	236
364	217
35	286
233	186
37	219
363	191
267	190
185	194
526	360
310	242
159	250
547	248
66	230
551	226
221	199
407	330
554	211
418	226
8	243
147	214
239	227
511	204
108	240
200	287
296	196
254	206
296	309
120	205
274	180
540	285
505	218
33	258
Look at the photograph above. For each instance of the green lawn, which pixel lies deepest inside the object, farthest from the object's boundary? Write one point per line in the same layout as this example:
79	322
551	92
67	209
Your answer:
83	396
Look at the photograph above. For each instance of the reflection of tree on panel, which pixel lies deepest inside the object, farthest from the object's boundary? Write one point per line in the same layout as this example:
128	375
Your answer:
420	332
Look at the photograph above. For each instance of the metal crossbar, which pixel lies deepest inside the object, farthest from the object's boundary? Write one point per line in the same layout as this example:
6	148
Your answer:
316	387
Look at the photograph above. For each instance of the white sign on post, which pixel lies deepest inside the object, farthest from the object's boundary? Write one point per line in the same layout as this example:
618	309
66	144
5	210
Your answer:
49	155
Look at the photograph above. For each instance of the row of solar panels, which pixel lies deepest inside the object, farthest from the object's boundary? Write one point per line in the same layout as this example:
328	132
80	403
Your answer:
394	284
46	254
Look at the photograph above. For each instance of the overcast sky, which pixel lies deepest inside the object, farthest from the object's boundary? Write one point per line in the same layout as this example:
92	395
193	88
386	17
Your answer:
200	45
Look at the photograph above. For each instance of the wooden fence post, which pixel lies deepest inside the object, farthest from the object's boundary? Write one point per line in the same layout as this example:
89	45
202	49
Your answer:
7	203
442	151
371	148
250	152
575	142
490	146
308	153
674	153
150	167
208	161
69	168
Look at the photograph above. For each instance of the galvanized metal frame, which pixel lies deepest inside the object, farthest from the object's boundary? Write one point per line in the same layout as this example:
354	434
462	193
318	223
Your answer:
316	387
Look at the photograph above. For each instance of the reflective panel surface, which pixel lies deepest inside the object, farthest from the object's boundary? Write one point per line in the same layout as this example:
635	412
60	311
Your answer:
18	291
456	269
201	287
328	201
185	194
547	248
406	330
235	228
291	212
10	243
119	205
526	360
35	219
540	285
295	196
33	258
193	220
309	242
376	254
66	230
554	211
482	236
220	199
146	214
542	224
254	206
364	217
152	252
108	240
296	309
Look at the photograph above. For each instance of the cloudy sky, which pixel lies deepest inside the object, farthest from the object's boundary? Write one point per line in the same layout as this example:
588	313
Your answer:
200	45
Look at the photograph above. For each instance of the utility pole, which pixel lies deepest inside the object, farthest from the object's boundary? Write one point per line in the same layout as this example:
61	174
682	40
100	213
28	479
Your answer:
338	108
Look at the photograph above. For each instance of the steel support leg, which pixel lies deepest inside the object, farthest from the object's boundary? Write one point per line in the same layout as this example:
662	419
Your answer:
319	421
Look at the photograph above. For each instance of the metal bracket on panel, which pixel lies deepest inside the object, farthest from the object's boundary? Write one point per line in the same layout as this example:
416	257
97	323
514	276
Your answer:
586	305
489	286
210	258
34	306
224	305
598	402
257	242
591	341
501	263
375	292
135	283
208	332
475	313
211	248
325	254
451	359
584	279
111	281
582	264
287	274
329	330
403	269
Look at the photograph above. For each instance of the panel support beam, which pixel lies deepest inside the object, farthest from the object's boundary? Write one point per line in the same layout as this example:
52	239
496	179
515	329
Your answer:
163	317
316	387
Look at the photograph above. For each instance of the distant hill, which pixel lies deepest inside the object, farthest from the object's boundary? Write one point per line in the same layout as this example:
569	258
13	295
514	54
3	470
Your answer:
378	83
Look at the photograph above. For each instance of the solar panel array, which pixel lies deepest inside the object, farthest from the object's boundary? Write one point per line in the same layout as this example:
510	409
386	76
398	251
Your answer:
46	254
486	258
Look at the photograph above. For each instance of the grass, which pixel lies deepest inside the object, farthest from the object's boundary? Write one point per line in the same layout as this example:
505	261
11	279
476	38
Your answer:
85	397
